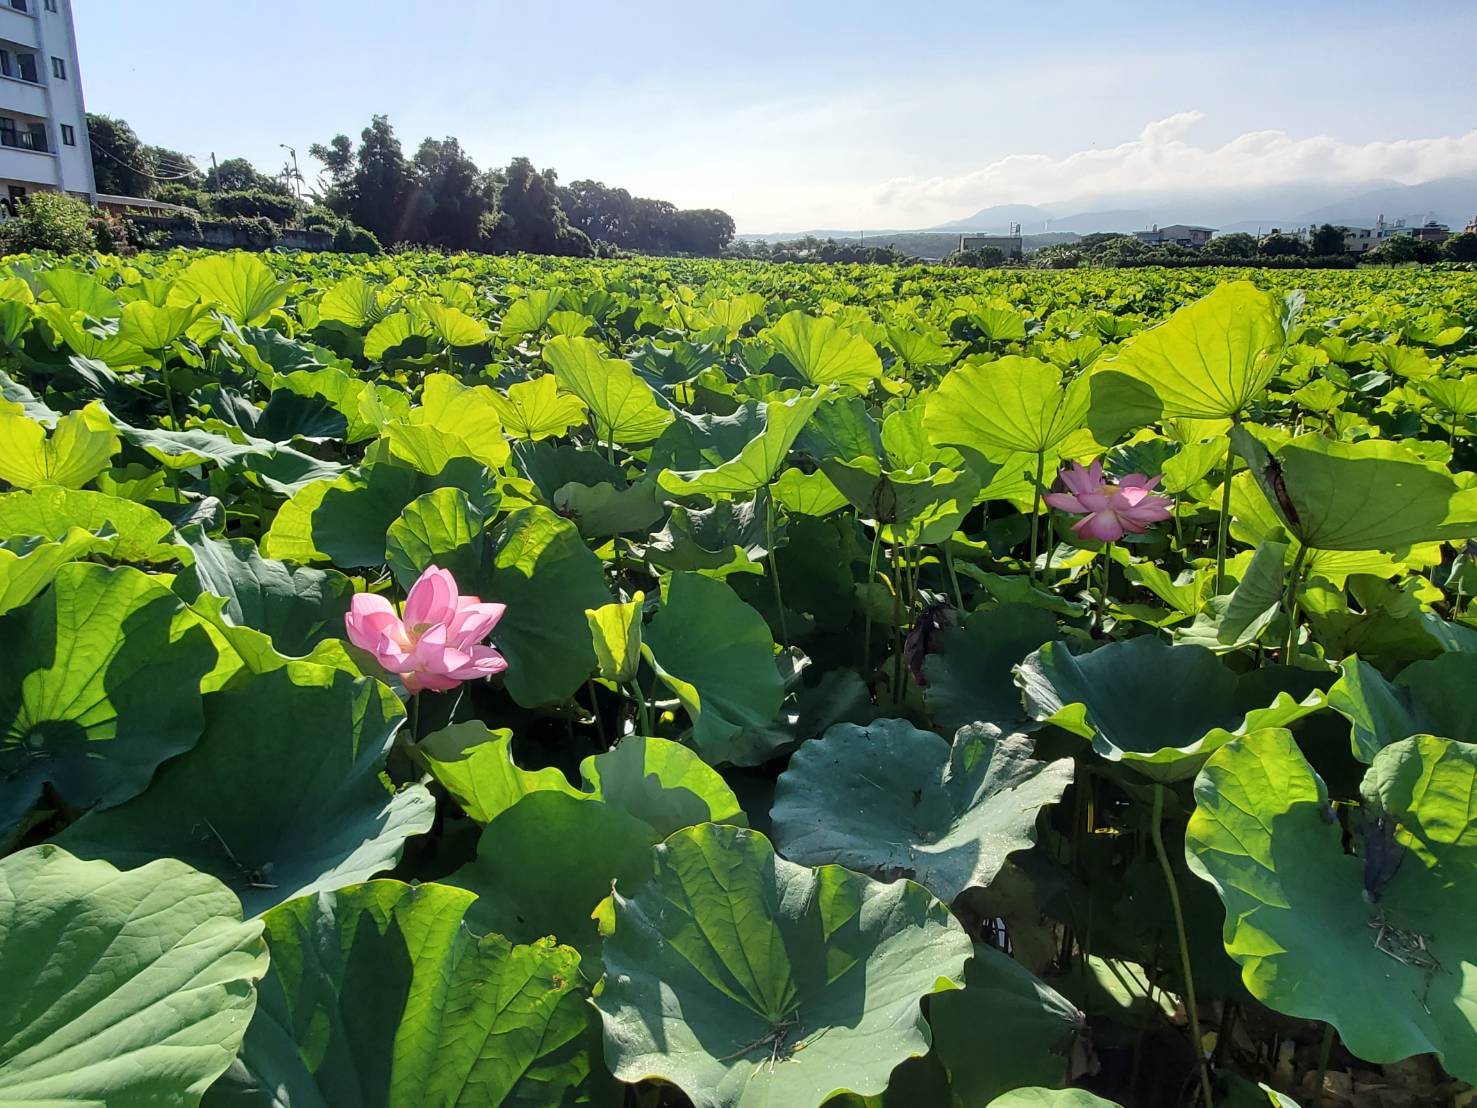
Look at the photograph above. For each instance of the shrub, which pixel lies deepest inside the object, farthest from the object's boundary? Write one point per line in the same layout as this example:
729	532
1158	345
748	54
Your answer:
253	204
349	239
49	221
259	232
112	233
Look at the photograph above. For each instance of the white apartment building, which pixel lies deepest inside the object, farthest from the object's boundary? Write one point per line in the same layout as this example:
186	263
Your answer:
43	122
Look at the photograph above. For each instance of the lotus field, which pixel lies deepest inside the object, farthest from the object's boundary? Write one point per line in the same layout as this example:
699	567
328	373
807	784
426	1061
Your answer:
433	681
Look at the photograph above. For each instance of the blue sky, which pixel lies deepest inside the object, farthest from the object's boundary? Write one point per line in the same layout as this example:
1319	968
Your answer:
814	113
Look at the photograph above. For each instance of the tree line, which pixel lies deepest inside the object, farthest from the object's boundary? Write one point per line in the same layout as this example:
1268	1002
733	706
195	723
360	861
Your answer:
371	194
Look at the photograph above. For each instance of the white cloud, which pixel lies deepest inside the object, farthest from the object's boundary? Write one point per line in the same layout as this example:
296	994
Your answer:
1163	159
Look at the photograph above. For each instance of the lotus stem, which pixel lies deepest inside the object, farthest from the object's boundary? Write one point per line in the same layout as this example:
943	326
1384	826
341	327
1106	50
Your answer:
1223	525
595	711
1035	514
774	569
1290	604
953	577
897	619
1102	605
643	709
871	578
414	720
1325	1050
1157	834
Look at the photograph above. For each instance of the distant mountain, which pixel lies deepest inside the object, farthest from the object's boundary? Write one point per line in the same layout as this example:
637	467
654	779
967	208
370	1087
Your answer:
1449	200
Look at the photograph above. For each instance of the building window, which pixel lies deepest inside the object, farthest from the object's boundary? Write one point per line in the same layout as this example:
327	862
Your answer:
5	70
27	67
19	5
58	69
51	5
69	135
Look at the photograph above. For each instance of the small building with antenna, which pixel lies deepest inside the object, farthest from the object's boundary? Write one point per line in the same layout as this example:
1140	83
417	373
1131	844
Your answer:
44	146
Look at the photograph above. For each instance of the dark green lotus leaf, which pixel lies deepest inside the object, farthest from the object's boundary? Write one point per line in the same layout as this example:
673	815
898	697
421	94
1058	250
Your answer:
545	863
345	520
546	575
294	608
970	672
734	454
730	537
1370	495
442	528
605	510
381	996
1161	709
99	683
716	653
1050	1098
1006	1029
281	797
1377	945
745	979
119	988
892	801
1437	696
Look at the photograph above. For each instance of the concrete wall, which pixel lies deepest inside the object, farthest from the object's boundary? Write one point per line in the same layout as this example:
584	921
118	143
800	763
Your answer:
224	236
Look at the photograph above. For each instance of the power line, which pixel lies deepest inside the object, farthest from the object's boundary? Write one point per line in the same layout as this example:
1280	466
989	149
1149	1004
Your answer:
141	172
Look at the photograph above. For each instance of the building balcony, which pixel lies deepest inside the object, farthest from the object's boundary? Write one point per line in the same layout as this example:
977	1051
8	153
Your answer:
29	167
18	97
18	26
34	141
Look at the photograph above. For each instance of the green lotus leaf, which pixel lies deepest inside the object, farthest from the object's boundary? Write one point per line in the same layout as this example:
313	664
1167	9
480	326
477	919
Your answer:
80	446
548	578
346	520
119	988
746	979
79	291
128	532
615	633
536	409
742	451
822	352
1010	404
1207	361
450	325
892	801
281	797
528	313
605	510
624	407
1050	1098
1236	620
661	783
475	765
27	565
451	421
732	536
269	606
716	653
970	671
923	503
811	494
1005	1030
239	284
1101	695
1435	696
1379	945
100	683
380	995
1370	495
545	863
153	326
442	528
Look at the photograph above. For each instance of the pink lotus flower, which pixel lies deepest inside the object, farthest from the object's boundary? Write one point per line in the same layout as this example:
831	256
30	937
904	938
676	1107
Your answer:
438	643
1107	509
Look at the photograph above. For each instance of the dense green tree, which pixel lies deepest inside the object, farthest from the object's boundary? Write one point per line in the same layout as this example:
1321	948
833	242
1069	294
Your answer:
450	196
986	257
1460	248
120	162
371	186
239	175
1238	244
172	167
529	218
1327	240
1278	245
1400	249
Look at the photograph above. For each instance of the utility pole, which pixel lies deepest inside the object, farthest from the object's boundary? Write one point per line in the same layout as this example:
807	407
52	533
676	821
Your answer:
296	176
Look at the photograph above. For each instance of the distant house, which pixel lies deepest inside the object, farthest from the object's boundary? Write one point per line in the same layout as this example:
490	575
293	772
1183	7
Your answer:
1361	240
1471	227
1009	245
1179	234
